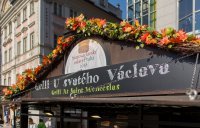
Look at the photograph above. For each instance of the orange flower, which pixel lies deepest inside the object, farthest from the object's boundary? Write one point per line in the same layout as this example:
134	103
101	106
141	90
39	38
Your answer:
101	23
164	41
79	18
65	45
182	35
147	38
153	41
20	86
144	36
75	26
37	69
82	24
19	77
123	23
59	49
9	92
69	21
29	74
14	87
69	39
127	28
175	40
59	40
137	24
5	90
46	60
55	53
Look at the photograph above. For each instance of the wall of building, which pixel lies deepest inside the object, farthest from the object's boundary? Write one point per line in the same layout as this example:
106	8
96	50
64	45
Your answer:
167	14
104	4
26	59
45	24
54	24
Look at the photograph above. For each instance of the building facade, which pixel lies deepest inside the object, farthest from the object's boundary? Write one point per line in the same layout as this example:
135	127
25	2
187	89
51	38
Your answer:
29	29
179	14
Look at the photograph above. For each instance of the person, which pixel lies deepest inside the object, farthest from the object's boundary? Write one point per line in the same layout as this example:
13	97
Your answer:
41	124
48	123
31	123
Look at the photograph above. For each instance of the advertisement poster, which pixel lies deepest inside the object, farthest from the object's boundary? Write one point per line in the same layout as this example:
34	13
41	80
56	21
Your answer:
87	54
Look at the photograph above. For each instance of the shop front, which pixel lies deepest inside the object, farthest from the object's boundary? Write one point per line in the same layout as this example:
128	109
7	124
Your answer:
103	114
139	93
95	81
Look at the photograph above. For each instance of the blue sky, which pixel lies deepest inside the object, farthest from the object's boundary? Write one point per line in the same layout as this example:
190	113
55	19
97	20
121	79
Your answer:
122	6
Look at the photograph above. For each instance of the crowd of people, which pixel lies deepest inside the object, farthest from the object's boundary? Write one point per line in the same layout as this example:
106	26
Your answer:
41	124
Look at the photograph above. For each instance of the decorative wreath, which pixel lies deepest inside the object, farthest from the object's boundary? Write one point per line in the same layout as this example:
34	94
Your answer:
140	35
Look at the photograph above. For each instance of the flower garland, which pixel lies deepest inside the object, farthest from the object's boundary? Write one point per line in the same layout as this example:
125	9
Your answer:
141	35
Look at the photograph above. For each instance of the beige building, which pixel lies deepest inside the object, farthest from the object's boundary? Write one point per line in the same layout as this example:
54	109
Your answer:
29	29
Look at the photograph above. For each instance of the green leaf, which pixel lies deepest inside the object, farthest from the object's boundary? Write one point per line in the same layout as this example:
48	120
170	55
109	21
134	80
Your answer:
137	47
169	31
159	35
78	31
142	45
191	37
150	29
170	46
136	35
138	40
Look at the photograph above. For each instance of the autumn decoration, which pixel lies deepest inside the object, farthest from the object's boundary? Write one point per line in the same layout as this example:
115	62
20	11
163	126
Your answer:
138	35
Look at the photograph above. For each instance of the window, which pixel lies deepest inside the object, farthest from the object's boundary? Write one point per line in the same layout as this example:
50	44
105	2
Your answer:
185	8
5	32
31	7
17	76
145	7
197	5
72	13
18	19
130	13
5	81
55	8
189	12
145	12
145	19
137	11
142	10
186	24
60	10
32	40
153	13
5	57
10	54
102	3
18	48
197	21
10	28
9	80
130	2
25	44
24	14
55	40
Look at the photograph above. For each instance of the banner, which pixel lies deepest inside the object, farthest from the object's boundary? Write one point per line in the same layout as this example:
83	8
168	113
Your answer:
151	75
